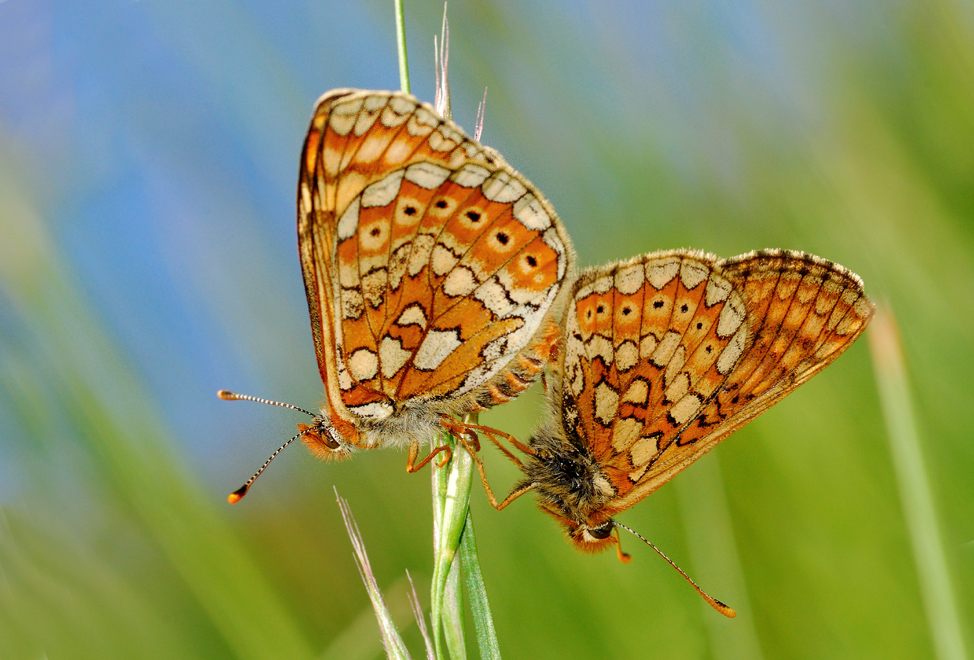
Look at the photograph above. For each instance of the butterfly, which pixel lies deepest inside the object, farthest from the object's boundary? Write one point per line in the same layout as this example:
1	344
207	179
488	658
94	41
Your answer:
664	356
435	274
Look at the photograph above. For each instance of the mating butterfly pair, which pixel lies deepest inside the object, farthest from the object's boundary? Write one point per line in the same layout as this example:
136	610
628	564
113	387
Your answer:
441	282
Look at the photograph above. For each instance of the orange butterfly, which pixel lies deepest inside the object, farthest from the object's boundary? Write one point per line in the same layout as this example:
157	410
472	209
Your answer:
666	355
434	274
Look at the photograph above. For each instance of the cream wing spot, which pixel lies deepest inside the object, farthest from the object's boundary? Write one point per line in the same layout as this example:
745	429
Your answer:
630	279
599	346
374	286
853	318
863	308
451	133
678	388
787	284
807	290
636	475
495	349
341	122
392	116
442	260
363	364
692	273
529	212
401	106
731	317
675	364
664	351
397	152
436	347
502	188
348	223
576	381
427	175
344	380
647	346
685	409
374	410
422	121
416	127
606	404
460	282
470	176
638	393
375	102
439	142
732	353
627	355
412	315
419	257
717	290
365	119
392	356
383	192
492	294
353	304
372	147
372	237
305	196
660	272
643	451
602	285
825	303
625	432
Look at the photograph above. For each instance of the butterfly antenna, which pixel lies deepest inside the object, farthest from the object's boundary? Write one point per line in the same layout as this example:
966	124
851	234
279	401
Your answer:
233	396
238	494
226	395
714	603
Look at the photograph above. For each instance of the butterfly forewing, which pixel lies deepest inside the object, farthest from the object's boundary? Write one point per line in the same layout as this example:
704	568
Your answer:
429	262
669	353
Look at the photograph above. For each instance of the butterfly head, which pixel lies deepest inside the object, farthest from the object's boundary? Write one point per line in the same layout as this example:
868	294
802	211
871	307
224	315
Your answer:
573	488
327	439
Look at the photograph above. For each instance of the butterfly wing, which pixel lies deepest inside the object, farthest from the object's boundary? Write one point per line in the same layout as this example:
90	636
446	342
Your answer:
670	353
429	262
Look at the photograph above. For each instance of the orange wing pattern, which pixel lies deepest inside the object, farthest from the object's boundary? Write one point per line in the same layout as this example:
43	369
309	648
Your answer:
668	354
429	263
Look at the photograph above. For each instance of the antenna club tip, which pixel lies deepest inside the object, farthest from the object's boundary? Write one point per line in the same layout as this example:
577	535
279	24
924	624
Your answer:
726	610
237	495
226	395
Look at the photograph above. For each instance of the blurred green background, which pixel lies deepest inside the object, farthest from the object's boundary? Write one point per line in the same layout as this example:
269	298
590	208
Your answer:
148	160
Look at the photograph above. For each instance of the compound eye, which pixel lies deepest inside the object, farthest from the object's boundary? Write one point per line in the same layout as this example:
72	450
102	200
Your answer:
602	531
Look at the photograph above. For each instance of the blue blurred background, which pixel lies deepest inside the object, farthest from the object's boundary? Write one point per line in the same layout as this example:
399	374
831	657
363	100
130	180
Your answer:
148	161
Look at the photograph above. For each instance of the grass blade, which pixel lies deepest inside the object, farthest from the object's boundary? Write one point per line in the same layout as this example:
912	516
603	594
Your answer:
914	486
477	594
395	647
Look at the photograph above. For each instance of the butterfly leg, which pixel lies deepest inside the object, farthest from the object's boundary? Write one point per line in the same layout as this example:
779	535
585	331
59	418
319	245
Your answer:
465	440
492	436
462	429
412	466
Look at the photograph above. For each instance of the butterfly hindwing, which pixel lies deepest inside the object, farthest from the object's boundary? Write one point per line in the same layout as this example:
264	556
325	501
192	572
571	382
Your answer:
719	341
429	262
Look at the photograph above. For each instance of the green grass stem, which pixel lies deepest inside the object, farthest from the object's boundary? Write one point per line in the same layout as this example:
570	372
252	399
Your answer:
401	44
914	486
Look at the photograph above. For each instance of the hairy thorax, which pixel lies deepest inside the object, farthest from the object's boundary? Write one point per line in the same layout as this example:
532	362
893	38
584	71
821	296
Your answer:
567	478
